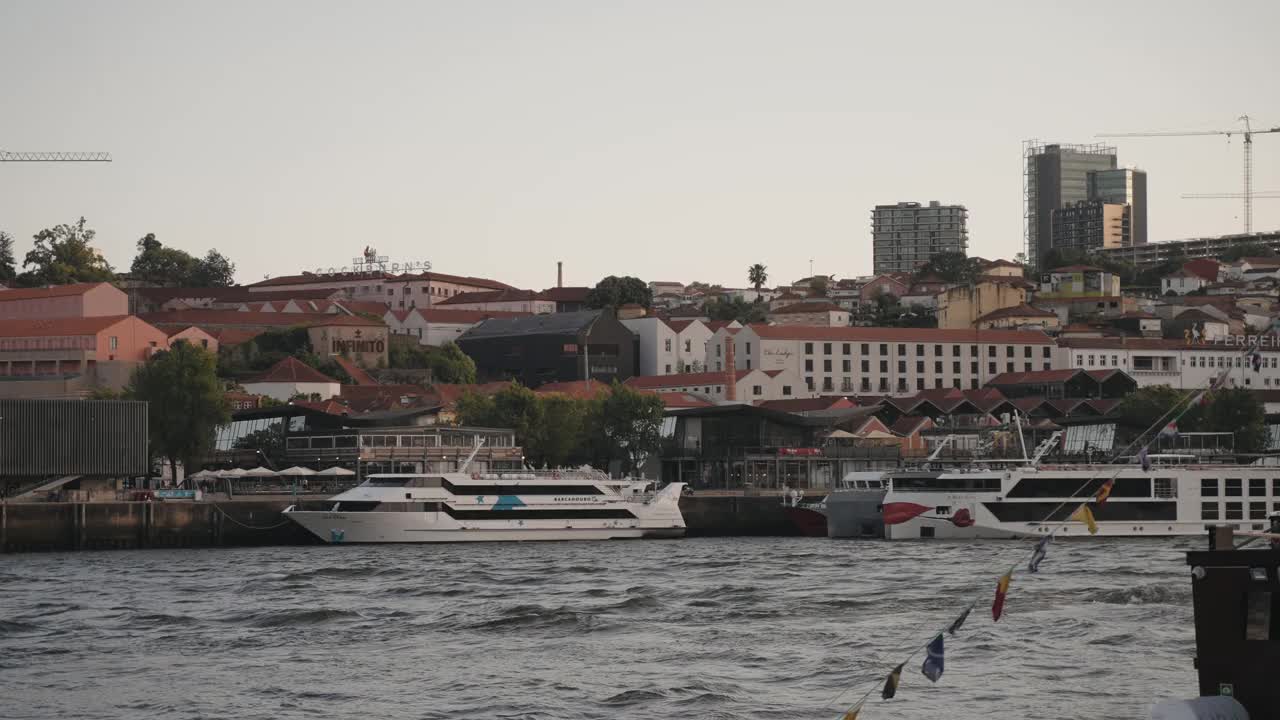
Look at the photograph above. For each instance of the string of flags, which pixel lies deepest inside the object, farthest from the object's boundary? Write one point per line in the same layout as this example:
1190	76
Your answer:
934	661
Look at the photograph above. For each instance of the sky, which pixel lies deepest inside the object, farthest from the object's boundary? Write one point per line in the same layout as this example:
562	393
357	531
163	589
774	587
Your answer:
667	140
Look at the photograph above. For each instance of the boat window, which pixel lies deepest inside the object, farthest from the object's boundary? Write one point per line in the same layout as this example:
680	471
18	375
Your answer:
387	482
422	482
926	531
1209	511
1050	511
549	514
942	510
1233	488
297	443
1257	487
1209	487
1235	511
1043	487
355	506
471	490
975	483
1165	488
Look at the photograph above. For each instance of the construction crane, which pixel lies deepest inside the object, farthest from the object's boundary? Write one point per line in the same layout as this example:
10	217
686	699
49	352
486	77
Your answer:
1248	132
1265	195
54	156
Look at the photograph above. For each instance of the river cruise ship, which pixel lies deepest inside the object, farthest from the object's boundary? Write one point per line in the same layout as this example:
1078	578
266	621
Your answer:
1177	495
582	504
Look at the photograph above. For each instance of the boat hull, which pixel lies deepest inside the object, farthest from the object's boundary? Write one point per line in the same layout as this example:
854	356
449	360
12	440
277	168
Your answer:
811	522
426	527
855	514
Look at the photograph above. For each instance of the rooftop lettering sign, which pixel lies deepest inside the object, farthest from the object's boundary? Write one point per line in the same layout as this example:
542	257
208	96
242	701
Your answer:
370	262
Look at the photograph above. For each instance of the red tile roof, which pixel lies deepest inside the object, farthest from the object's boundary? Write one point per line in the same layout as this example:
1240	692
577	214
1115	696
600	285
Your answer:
796	405
344	321
232	336
1203	267
490	296
374	398
328	407
458	280
356	372
582	389
292	370
909	425
232	317
682	379
682	400
48	292
60	327
813	306
368	307
450	392
566	294
1022	310
1033	377
904	335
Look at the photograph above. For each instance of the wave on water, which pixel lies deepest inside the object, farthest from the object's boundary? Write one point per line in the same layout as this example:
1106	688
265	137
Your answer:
1149	594
291	618
538	617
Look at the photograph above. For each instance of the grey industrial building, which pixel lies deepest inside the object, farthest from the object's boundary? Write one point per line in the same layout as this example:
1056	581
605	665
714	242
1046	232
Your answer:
1061	177
590	344
906	235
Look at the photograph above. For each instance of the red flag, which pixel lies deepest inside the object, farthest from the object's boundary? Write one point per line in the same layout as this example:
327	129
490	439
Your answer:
1002	589
900	512
962	518
1104	492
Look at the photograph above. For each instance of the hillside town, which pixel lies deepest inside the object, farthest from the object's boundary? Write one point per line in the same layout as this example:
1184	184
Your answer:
888	359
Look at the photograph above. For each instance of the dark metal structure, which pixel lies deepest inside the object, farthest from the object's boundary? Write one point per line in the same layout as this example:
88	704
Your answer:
552	348
73	437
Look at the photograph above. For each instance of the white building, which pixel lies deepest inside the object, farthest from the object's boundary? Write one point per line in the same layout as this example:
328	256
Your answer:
812	312
898	361
664	287
521	301
1175	363
436	326
658	346
1181	282
401	292
289	378
749	386
692	337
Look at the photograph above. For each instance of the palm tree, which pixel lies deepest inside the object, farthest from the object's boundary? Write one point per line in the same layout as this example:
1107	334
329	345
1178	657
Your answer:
757	275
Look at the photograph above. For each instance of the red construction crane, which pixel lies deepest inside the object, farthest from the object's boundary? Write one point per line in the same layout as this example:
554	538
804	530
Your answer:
1248	132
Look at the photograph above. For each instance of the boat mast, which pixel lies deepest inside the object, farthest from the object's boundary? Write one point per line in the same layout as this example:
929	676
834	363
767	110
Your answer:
472	456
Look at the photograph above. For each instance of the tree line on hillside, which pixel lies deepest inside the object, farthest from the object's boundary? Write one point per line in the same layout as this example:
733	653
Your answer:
65	254
557	430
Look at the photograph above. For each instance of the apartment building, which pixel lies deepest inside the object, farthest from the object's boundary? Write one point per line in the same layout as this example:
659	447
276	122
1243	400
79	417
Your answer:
63	301
906	235
895	361
1179	364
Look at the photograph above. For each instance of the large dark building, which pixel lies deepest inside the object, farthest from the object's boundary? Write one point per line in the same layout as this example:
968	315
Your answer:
552	348
44	438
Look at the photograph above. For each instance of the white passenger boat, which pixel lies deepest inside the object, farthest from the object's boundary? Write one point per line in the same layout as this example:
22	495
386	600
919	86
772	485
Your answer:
516	505
1178	495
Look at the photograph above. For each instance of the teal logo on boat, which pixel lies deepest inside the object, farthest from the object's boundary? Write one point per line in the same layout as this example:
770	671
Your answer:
506	502
337	536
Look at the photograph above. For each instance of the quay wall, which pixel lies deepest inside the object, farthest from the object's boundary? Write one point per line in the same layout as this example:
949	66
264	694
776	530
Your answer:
33	527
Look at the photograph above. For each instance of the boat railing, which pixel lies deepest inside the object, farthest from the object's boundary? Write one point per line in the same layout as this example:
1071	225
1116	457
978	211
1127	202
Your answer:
558	474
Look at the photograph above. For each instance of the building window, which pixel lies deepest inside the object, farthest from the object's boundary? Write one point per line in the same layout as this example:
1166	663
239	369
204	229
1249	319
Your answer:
826	384
1257	487
1235	511
884	348
847	349
1208	511
1026	367
937	367
826	348
973	368
786	389
973	351
1026	351
991	368
808	365
1048	366
668	344
717	350
919	383
955	351
884	366
757	390
1079	361
866	384
688	346
1257	511
826	365
902	349
955	368
991	351
1233	488
919	350
748	348
1008	351
919	367
748	363
1046	351
884	384
1209	487
866	366
113	342
866	349
808	348
902	384
846	365
1115	361
808	382
902	366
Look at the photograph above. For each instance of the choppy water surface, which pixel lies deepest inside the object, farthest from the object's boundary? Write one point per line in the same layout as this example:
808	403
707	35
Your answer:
699	628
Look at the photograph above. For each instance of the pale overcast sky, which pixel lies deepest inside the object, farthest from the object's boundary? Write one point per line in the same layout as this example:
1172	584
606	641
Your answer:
668	140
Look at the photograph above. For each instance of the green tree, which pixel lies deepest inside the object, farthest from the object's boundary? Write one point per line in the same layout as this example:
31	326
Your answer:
818	286
1250	249
185	402
1237	410
65	254
757	275
1143	407
626	425
8	262
560	437
213	270
735	308
156	264
952	267
614	292
450	365
269	441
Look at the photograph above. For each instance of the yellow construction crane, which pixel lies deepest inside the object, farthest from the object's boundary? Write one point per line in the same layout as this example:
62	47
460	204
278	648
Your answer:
1248	132
54	156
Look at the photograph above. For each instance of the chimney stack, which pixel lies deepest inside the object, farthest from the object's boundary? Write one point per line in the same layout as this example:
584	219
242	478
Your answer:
559	273
731	370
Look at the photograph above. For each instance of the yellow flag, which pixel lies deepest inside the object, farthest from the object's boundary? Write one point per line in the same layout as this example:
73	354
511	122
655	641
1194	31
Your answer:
1085	515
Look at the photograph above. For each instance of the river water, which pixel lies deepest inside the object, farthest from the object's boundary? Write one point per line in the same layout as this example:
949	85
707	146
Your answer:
769	628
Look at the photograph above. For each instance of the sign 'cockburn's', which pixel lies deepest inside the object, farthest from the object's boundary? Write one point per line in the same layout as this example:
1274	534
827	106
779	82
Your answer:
371	262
